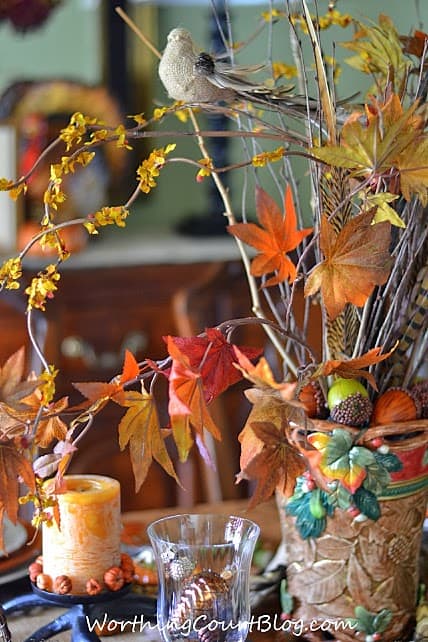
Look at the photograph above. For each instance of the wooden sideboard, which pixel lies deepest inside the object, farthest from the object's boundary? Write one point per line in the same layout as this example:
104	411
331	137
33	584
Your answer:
114	298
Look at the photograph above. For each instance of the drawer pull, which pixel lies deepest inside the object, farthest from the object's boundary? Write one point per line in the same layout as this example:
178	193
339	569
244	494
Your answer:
75	347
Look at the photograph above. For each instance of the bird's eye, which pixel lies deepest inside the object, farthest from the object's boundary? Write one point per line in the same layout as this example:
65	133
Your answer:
204	65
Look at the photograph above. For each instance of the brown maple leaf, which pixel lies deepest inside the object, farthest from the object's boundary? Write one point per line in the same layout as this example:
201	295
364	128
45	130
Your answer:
140	429
266	454
352	368
52	428
277	236
275	466
14	467
356	260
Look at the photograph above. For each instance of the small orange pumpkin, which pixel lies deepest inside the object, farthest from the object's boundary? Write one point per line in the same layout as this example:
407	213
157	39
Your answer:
113	578
93	587
44	582
62	585
127	566
393	406
34	570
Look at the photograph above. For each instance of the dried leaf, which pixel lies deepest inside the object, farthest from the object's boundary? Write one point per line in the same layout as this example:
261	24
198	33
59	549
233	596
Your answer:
52	428
352	368
139	428
13	466
356	260
266	454
277	236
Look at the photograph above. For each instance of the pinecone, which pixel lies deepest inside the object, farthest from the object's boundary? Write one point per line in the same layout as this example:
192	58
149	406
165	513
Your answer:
355	410
180	568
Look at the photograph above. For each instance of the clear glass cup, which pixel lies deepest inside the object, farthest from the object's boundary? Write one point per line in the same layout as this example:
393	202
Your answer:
203	564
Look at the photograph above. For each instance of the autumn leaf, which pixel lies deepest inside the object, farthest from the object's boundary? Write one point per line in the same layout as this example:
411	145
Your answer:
13	389
413	166
130	370
356	260
277	236
378	50
390	142
52	428
266	454
99	392
261	375
353	368
139	429
13	467
214	357
187	406
276	465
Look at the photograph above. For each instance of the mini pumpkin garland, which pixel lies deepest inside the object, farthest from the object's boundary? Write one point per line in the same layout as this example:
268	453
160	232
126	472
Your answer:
114	579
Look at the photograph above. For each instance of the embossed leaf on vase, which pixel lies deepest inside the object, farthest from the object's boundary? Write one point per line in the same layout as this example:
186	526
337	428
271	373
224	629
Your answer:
358	580
355	260
334	547
323	582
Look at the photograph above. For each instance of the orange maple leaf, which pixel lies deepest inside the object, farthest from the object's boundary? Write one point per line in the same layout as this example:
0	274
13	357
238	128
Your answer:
277	236
99	392
356	260
352	368
140	429
187	407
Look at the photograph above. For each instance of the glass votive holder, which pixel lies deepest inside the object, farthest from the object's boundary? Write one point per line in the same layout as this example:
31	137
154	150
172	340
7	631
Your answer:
203	564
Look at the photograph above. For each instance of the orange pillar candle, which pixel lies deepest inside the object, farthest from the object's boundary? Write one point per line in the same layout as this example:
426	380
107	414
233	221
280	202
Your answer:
87	543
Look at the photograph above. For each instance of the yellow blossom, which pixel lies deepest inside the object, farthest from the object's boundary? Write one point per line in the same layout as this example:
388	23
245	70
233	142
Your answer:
5	184
107	216
149	168
121	134
261	159
16	191
42	287
139	119
182	115
47	387
76	129
160	112
97	136
205	170
282	70
10	273
273	15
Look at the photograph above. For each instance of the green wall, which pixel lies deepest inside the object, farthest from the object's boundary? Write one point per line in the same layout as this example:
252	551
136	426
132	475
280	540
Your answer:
70	45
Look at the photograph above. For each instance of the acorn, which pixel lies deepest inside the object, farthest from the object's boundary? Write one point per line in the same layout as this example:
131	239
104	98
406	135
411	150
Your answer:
394	406
349	403
312	397
420	392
